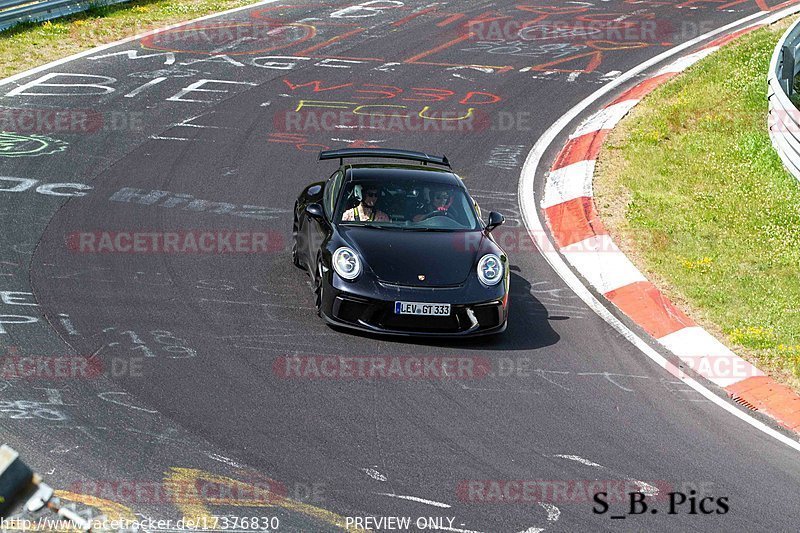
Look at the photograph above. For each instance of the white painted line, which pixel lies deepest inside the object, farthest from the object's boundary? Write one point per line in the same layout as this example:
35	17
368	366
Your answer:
605	119
567	183
530	214
645	488
553	512
226	460
603	265
485	70
533	530
161	138
415	499
687	61
104	396
187	125
374	141
456	530
374	474
154	81
579	459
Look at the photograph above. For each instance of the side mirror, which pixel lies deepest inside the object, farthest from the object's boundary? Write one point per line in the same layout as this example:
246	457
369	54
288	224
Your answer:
315	211
495	219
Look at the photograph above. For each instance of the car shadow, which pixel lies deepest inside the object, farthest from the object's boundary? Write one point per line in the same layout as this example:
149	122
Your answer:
528	326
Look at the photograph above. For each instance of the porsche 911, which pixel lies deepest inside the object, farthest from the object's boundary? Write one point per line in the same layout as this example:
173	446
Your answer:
400	248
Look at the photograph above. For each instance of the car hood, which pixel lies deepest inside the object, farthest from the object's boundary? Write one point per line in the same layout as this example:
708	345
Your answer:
400	257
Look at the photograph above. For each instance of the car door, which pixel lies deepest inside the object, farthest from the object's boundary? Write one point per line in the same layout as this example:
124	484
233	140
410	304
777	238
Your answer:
320	230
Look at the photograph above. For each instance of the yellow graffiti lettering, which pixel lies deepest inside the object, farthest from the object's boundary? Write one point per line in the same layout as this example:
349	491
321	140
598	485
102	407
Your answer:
322	103
424	114
188	487
357	111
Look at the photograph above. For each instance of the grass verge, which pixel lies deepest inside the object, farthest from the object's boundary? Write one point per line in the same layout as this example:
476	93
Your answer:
31	44
693	192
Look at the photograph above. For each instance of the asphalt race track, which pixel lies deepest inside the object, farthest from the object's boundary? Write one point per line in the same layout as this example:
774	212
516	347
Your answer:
189	347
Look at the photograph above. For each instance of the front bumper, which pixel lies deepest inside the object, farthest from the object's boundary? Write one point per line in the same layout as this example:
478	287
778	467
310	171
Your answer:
374	312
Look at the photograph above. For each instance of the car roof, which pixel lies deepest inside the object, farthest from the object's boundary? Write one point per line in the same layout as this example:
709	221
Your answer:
384	172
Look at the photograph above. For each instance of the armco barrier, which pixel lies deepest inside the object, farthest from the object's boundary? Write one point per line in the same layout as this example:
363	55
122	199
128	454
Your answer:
784	117
13	12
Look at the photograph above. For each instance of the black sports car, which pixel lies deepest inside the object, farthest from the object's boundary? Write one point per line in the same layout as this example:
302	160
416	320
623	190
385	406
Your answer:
400	248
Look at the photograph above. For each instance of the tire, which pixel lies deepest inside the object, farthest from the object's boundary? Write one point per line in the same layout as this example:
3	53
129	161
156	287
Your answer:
318	288
295	229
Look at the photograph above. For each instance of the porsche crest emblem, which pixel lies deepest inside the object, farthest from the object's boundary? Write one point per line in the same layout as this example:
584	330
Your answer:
421	277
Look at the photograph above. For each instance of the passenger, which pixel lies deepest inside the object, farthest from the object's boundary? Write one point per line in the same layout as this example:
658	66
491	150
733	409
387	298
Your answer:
365	210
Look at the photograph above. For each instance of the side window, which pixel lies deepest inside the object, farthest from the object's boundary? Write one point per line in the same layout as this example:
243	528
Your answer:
332	192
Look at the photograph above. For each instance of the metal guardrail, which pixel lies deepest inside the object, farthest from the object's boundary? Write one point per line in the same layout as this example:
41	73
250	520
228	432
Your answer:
13	12
784	117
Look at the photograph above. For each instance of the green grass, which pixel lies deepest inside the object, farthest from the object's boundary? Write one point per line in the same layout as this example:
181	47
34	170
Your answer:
28	45
691	188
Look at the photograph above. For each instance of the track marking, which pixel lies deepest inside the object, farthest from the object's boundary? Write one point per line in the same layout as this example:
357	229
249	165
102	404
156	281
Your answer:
415	499
608	377
579	459
154	81
374	474
226	460
160	138
553	512
646	488
103	395
198	506
533	223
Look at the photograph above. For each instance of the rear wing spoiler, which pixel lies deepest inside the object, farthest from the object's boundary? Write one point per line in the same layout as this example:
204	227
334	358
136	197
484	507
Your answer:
384	153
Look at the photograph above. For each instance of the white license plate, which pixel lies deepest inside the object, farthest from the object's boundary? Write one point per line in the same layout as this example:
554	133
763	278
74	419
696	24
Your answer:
416	308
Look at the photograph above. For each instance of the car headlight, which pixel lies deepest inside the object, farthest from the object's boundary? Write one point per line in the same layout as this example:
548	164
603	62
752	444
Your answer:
490	269
346	263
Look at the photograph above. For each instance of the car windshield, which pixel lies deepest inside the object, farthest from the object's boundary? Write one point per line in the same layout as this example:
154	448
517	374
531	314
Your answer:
413	205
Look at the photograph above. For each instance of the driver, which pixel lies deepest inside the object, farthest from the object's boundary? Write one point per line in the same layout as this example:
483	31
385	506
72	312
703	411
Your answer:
365	210
441	199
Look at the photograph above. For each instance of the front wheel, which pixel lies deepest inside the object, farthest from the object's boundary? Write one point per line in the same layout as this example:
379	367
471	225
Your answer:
295	259
295	230
318	288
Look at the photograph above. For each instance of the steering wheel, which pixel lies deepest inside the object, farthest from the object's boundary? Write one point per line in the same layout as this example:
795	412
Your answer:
438	213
